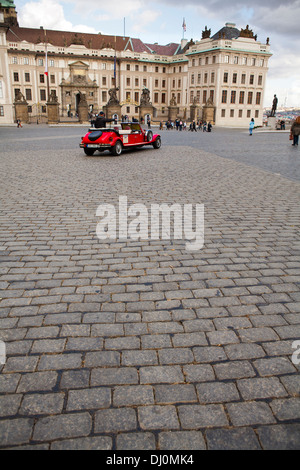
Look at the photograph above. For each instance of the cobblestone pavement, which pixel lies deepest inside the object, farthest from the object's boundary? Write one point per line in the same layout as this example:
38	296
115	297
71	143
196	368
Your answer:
142	344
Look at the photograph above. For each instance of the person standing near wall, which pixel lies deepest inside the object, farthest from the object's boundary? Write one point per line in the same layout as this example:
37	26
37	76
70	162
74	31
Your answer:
295	131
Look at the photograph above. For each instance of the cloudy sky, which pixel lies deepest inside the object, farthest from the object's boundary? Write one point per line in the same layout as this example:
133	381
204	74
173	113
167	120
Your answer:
161	21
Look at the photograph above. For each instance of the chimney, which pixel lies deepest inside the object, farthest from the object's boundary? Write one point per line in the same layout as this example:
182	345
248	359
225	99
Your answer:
183	43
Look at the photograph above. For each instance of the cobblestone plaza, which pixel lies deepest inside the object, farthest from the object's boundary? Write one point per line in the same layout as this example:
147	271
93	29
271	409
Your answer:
142	345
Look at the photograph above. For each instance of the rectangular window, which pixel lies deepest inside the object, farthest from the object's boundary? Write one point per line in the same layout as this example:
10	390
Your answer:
27	77
233	97
236	59
262	62
193	63
136	82
234	78
163	97
42	78
15	60
52	78
179	83
30	109
205	77
243	80
212	77
226	60
240	113
1	110
136	97
225	78
104	96
206	60
244	60
145	81
224	96
198	96
128	96
204	96
192	79
155	97
163	84
212	95
28	94
223	112
104	81
103	66
259	82
51	63
174	83
26	61
191	96
250	97
164	69
145	68
43	95
156	83
41	62
253	61
178	98
127	81
199	78
248	113
256	113
156	69
258	97
16	91
251	79
16	77
214	59
242	97
136	68
232	113
128	67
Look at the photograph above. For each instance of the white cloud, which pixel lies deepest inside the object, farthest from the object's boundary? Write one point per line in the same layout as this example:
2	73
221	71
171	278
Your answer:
49	14
144	19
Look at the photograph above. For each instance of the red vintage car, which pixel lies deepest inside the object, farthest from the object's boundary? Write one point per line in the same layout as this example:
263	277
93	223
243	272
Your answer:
119	137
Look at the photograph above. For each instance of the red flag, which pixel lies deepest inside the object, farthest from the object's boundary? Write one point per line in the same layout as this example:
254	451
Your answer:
184	25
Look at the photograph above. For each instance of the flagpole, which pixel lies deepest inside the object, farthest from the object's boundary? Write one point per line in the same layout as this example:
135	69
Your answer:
46	67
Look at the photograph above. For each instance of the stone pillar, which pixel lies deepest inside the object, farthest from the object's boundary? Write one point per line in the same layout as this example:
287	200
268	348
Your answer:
83	112
21	109
173	112
111	109
53	113
144	110
209	112
272	123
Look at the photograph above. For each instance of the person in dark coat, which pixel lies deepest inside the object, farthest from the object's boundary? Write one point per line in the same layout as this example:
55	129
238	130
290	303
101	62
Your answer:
101	120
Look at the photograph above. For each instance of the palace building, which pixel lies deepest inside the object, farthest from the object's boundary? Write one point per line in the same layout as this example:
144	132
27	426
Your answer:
220	77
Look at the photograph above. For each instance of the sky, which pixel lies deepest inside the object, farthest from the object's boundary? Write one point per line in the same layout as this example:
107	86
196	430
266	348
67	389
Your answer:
161	21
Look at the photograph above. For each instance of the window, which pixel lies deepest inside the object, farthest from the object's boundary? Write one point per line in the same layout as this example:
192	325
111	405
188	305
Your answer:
43	95
155	97
205	77
136	82
226	59
128	109
193	63
258	97
212	77
178	98
262	62
27	77
179	68
136	97
164	69
253	61
52	78
212	95
127	81
242	97
259	82
198	96
128	95
174	69
206	60
200	61
1	110
214	59
41	62
145	81
224	96
236	59
191	96
103	66
29	109
225	78
240	113
128	67
250	97
163	84
204	96
136	68
174	83
26	61
51	63
44	109
234	78
244	60
233	96
192	79
1	90
256	113
223	113
243	80
104	81
199	78
145	68
248	113
15	60
16	77
104	96
251	79
156	69
28	94
42	78
16	91
163	97
179	83
232	113
156	83
91	93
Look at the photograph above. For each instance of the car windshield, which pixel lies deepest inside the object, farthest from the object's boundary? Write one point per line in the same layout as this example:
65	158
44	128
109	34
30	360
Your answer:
130	126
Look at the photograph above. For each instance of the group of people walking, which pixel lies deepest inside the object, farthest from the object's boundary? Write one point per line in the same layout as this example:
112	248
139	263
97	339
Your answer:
181	125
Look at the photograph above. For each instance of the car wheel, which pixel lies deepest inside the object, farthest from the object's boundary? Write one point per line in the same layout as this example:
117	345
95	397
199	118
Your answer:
89	152
157	143
117	148
149	136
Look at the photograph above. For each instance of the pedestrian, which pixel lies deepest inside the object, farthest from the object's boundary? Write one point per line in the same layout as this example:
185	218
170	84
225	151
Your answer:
194	126
180	125
149	122
295	131
19	124
251	126
204	126
209	127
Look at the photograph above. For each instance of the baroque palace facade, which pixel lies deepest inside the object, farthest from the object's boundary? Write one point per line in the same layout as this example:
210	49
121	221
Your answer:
225	72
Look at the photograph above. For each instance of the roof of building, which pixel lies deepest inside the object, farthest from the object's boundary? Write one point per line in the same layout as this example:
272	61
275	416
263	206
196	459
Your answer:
7	4
229	31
